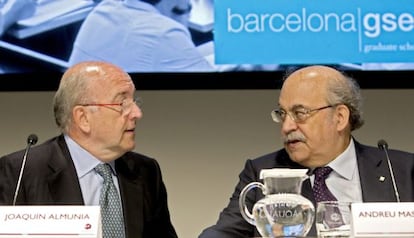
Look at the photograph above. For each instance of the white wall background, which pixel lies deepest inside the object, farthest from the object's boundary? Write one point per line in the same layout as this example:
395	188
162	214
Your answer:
202	138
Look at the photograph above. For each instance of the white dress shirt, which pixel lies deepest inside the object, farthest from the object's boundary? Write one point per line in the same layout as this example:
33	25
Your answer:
90	181
344	182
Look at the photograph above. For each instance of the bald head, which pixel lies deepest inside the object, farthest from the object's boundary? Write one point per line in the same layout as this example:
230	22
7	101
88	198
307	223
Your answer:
92	70
323	84
78	85
318	75
319	107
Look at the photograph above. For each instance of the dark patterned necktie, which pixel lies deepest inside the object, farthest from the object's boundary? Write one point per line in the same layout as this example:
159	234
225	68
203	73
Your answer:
112	218
333	216
320	190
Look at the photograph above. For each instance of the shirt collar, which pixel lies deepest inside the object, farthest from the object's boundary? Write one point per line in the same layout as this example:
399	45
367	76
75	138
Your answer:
83	160
346	163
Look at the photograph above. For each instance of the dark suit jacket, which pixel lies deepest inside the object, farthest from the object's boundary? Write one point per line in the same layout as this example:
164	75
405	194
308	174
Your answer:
50	179
371	165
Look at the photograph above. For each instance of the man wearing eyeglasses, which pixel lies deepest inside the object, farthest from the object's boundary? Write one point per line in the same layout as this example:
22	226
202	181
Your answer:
92	162
140	36
318	109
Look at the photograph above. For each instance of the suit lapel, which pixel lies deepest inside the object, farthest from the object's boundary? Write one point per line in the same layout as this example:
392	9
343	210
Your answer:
62	179
307	191
374	175
132	193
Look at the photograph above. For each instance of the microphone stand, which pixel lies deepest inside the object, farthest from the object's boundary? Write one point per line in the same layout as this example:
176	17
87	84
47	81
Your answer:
31	140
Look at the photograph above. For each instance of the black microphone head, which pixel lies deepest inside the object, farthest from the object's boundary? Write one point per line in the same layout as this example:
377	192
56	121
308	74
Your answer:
32	139
382	144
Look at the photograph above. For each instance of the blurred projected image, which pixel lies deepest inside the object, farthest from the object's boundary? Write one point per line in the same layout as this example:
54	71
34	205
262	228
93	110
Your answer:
138	35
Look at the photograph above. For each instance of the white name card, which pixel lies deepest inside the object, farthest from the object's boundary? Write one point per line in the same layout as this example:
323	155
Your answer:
50	221
383	219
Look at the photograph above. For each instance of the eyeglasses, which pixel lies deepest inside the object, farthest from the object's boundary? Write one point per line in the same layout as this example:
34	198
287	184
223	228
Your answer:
125	106
182	11
298	115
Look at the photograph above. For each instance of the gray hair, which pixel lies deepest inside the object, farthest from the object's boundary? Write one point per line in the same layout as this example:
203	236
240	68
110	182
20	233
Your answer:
346	91
341	89
73	90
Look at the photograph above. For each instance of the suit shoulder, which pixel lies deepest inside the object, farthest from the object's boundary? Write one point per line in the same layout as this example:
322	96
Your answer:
137	160
139	157
133	165
35	151
361	148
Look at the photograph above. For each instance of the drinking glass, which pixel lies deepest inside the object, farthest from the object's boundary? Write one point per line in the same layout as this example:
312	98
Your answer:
333	219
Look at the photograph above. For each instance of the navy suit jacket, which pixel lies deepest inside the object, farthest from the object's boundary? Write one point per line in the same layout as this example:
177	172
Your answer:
50	179
372	164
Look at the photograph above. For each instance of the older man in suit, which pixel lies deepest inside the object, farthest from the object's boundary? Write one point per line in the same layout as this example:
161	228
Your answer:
97	113
318	109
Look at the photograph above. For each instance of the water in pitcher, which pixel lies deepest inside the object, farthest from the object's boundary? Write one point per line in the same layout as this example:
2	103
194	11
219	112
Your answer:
283	215
283	212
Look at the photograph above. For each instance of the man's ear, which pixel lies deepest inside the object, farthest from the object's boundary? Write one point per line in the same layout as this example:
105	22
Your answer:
342	115
81	119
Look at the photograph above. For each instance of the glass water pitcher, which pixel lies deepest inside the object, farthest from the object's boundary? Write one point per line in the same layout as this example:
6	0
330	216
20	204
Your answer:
283	211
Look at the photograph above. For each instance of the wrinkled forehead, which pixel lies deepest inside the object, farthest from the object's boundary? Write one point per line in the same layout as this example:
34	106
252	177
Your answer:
307	86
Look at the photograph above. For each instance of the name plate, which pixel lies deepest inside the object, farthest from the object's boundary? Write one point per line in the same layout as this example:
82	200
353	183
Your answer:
383	219
50	221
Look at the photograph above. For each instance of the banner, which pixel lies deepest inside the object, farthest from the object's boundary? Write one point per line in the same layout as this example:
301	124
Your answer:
313	31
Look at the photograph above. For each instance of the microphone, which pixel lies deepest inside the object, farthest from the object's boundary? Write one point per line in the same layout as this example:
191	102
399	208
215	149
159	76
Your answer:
383	145
31	140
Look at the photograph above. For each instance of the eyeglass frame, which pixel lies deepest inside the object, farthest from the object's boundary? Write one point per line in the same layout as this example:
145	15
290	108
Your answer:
276	113
137	101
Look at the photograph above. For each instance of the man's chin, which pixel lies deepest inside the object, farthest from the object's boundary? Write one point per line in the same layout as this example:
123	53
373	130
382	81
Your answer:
298	158
128	146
